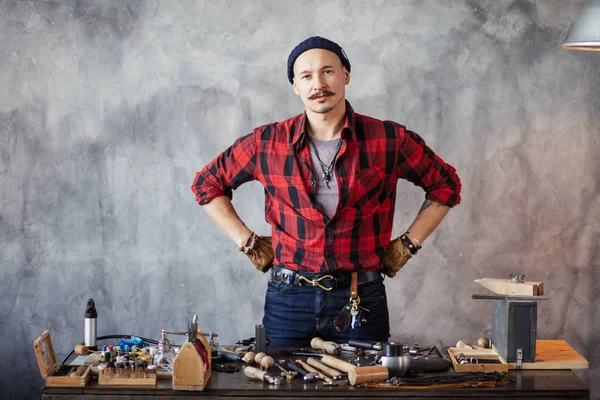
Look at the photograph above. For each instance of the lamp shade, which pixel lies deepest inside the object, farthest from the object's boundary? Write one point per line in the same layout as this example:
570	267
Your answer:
585	33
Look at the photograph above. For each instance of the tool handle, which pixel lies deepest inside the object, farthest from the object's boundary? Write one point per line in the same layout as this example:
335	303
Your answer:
443	350
463	344
259	356
475	346
428	364
267	362
328	346
230	355
337	363
294	366
328	370
307	367
361	375
248	358
82	349
252	372
364	344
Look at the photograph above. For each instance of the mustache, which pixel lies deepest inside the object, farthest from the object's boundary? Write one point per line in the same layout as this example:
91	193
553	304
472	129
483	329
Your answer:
323	93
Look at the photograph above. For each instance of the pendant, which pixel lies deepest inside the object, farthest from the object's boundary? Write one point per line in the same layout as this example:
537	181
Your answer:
326	179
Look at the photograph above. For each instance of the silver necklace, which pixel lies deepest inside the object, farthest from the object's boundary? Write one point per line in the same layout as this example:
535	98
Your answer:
327	169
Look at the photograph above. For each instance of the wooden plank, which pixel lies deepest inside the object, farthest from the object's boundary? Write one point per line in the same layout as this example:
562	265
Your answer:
505	286
554	354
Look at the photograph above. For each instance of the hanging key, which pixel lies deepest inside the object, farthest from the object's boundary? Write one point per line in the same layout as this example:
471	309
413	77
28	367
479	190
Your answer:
355	317
354	312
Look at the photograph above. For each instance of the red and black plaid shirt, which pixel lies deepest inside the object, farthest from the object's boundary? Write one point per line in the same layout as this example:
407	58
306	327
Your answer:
373	156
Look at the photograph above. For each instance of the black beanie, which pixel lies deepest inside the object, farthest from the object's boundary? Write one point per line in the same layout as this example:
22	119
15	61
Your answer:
315	42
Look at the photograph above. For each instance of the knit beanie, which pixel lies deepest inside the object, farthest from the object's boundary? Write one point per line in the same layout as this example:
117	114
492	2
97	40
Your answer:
315	42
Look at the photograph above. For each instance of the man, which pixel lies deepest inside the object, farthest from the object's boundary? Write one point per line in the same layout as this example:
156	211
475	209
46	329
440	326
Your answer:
330	179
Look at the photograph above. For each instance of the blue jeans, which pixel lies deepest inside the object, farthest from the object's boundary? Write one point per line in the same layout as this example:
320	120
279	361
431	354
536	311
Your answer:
296	314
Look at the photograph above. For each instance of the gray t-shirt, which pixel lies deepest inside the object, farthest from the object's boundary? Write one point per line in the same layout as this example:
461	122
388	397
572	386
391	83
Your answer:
327	197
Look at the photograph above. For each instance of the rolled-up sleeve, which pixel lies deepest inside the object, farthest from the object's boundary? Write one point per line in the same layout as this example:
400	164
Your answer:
421	166
227	172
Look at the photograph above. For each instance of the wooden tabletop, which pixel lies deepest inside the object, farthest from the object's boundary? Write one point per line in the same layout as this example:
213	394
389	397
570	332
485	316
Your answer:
548	384
525	384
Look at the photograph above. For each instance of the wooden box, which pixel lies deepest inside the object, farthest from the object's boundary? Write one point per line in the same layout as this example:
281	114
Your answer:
189	370
57	375
495	362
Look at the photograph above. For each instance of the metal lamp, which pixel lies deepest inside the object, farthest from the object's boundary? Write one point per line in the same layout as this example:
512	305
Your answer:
585	34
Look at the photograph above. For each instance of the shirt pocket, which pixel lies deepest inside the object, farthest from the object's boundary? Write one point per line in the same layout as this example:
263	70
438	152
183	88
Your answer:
367	186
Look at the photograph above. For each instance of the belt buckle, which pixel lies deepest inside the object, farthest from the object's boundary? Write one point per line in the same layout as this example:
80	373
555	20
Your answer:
317	282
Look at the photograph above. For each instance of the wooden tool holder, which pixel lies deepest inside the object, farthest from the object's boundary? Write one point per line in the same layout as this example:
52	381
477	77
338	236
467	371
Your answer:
50	371
482	355
146	380
189	371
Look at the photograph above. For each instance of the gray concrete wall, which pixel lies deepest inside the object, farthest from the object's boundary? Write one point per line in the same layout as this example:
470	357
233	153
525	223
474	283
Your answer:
107	110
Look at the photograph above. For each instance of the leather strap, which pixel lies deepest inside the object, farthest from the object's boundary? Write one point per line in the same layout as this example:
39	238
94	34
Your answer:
341	280
409	245
354	285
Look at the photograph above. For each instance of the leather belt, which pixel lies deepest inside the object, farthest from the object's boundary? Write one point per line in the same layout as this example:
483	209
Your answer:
335	280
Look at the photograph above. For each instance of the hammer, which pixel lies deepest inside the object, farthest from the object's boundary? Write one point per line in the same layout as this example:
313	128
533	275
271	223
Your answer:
255	373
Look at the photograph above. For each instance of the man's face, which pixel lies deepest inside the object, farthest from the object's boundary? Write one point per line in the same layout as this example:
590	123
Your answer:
320	80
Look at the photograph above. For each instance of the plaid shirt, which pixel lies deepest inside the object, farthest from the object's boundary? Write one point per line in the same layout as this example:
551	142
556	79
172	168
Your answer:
373	156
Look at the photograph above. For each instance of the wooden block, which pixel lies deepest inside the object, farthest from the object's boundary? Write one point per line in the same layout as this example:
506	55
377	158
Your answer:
482	355
149	381
505	286
554	354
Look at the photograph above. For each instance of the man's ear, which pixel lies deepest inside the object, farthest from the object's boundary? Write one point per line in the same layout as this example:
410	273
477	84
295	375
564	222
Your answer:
294	85
347	76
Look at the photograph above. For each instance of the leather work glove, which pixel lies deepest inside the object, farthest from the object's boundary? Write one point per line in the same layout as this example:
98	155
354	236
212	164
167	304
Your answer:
260	251
395	257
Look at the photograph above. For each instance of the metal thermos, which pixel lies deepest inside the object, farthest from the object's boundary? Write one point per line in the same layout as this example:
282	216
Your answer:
91	317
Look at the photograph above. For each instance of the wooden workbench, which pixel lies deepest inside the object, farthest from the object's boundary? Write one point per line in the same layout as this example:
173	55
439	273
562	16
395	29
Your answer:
527	384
